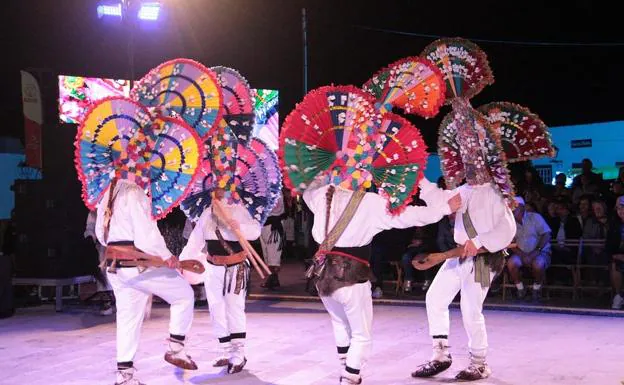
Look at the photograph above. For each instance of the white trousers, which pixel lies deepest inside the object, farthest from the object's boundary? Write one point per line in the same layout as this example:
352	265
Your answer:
227	311
454	277
351	312
271	248
132	290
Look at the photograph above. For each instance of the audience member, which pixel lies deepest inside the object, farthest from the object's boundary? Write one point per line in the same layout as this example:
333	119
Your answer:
532	249
567	227
418	245
591	177
615	248
560	190
532	188
585	216
585	188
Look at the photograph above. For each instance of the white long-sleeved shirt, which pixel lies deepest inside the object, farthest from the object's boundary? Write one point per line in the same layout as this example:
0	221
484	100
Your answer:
371	217
492	219
206	225
131	221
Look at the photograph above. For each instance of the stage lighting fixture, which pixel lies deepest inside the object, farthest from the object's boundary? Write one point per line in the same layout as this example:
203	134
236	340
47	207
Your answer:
109	10
149	11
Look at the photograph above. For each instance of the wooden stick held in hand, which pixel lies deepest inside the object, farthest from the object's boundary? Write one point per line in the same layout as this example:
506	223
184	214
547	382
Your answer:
253	257
427	261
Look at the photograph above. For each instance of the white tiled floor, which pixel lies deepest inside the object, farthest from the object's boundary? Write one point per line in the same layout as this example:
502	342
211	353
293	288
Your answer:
291	343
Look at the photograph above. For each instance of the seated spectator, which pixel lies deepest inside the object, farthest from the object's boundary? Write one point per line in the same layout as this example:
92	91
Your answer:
585	216
616	191
599	208
550	216
566	227
532	249
560	190
586	187
445	239
615	248
420	244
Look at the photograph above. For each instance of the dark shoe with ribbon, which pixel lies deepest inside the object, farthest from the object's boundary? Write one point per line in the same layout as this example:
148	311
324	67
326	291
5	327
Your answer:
431	368
221	362
474	372
232	369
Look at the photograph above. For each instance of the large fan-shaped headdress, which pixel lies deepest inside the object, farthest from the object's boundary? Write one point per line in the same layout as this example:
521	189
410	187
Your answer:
336	134
119	138
463	64
244	168
238	103
399	161
184	89
249	174
412	84
470	148
524	135
330	134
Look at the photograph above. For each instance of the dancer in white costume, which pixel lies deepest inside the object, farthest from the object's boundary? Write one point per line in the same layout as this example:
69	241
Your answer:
335	146
226	278
272	240
122	152
483	221
131	226
471	151
345	287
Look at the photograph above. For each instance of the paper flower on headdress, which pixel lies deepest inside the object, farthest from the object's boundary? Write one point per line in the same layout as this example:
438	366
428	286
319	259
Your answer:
119	138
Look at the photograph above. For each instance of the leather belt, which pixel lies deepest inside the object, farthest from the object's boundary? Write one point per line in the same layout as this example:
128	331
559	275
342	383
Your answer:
227	260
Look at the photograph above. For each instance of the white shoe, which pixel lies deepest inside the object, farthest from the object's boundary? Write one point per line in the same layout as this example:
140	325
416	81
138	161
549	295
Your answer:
126	377
347	378
377	293
407	286
618	302
426	285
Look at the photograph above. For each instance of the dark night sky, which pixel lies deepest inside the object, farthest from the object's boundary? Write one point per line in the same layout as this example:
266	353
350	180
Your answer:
262	39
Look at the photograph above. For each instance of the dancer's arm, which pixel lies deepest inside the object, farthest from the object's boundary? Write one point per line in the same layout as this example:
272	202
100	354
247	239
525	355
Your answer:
196	240
433	195
412	216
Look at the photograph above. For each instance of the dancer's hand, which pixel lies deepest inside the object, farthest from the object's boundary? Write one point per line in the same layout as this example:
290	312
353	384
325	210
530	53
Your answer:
173	262
470	250
455	203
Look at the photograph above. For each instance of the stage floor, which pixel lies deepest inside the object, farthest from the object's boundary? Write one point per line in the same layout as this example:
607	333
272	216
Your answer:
291	343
